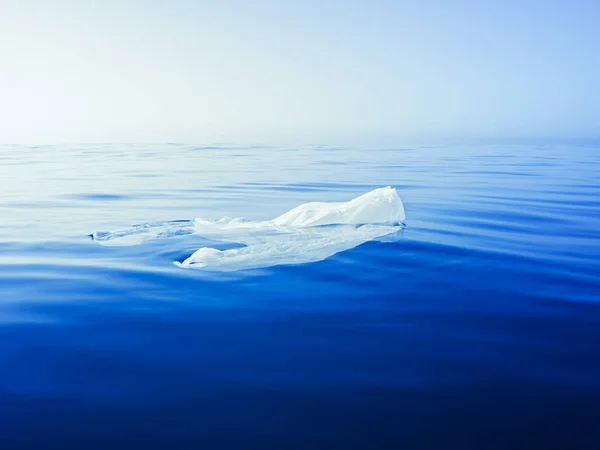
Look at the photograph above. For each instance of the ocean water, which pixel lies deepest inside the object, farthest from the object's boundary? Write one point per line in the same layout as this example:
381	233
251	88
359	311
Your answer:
477	326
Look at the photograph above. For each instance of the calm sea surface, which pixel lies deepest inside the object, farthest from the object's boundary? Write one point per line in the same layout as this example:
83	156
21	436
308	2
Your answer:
478	329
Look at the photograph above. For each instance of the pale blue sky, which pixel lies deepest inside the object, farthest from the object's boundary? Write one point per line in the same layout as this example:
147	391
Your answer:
199	71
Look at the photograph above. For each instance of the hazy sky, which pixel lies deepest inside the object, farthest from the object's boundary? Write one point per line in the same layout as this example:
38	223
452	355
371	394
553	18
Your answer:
195	71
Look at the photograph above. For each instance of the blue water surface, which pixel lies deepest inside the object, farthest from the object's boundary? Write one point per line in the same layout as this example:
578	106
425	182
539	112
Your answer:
479	328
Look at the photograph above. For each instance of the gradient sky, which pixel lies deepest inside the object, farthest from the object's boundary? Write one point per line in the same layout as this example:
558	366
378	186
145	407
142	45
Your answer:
194	71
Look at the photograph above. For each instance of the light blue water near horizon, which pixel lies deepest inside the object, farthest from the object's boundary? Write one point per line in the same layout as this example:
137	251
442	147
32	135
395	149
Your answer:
476	328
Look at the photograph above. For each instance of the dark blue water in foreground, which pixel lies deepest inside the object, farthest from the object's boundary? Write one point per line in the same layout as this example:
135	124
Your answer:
478	329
